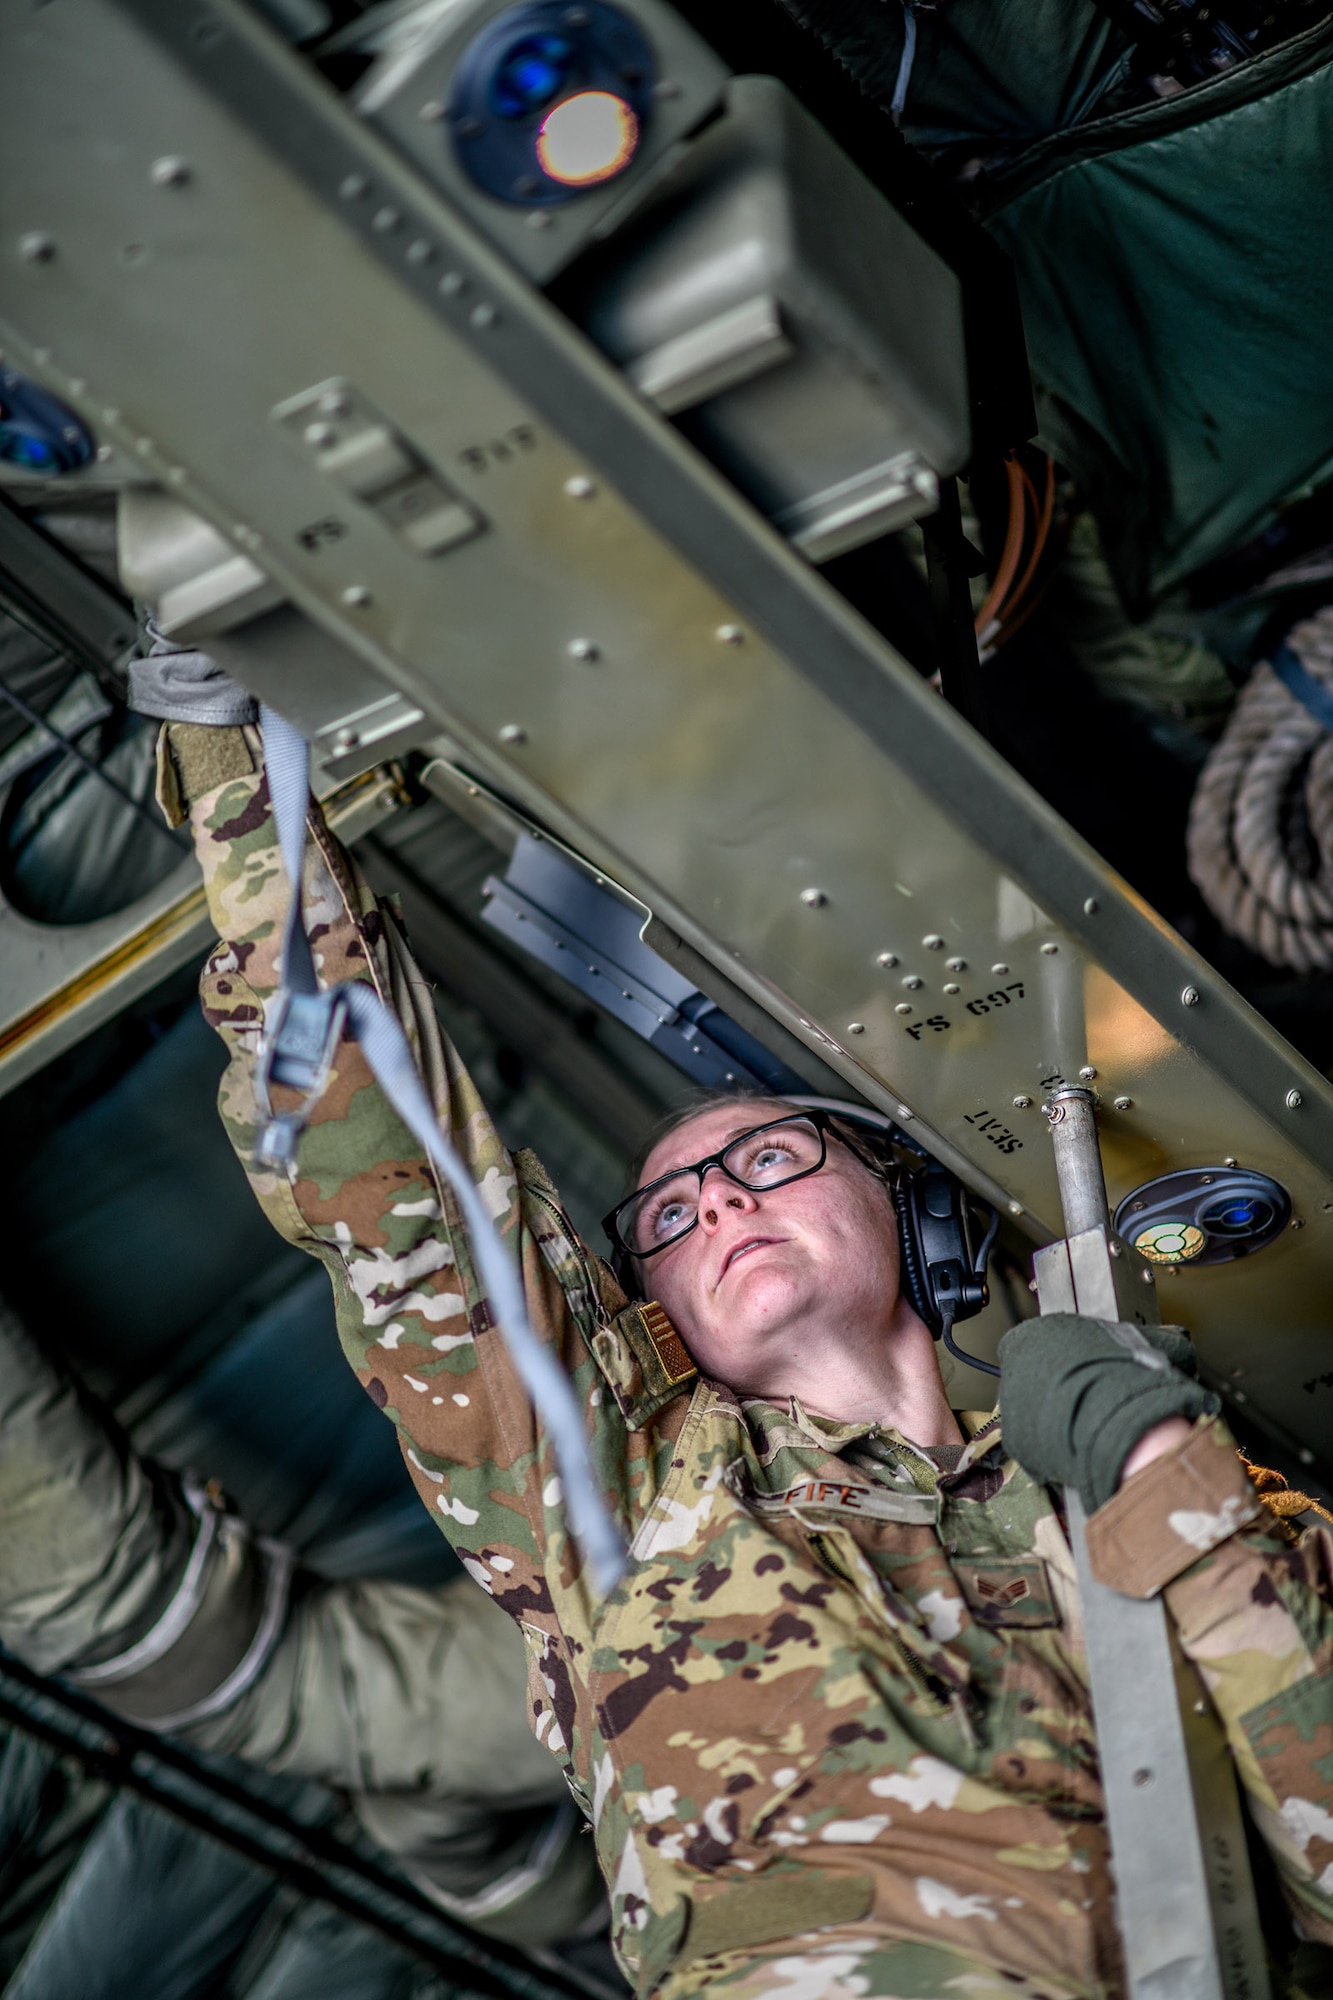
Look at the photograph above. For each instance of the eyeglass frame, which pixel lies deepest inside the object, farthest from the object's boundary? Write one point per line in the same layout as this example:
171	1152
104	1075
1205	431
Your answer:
824	1125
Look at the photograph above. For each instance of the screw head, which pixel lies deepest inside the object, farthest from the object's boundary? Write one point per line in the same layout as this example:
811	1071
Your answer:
1305	1455
887	960
933	943
1231	1161
419	251
1123	1103
353	186
37	247
1050	949
357	596
1294	1100
905	1114
1091	906
584	649
346	739
1190	997
432	111
902	1008
814	899
1146	1277
321	436
914	982
580	487
956	964
1015	1208
1115	1249
951	986
1298	1222
170	171
451	284
999	970
856	1027
1022	1102
1087	1072
483	315
513	732
731	635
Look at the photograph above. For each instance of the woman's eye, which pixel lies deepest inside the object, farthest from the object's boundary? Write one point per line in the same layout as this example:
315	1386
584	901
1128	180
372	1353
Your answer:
669	1216
771	1156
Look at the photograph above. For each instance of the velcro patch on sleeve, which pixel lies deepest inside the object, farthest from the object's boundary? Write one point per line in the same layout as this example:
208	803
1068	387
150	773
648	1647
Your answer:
1164	1518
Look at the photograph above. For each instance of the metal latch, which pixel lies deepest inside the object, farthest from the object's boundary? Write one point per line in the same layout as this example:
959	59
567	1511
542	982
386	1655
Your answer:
300	1043
353	443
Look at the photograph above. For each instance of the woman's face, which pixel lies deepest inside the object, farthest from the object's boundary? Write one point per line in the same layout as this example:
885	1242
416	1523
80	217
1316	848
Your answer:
767	1275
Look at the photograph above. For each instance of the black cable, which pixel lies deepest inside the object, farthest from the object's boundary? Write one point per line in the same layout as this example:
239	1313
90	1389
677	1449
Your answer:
71	749
946	1335
123	1755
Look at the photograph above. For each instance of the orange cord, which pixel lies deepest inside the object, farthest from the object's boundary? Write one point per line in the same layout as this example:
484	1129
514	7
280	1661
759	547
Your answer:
1013	546
1038	544
1279	1498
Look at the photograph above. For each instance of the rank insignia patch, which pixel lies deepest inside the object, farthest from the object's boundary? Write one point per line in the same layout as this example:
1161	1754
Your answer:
1016	1592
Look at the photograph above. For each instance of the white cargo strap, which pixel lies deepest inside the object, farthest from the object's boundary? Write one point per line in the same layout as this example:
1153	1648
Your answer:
301	1036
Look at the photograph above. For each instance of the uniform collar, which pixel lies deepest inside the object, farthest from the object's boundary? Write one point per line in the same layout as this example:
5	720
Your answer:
806	1429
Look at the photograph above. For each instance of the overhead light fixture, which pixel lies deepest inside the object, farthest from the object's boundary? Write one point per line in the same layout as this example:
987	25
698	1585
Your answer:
1203	1215
587	139
551	100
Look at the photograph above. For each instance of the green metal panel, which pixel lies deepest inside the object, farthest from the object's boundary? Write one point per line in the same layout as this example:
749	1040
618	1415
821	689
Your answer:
737	748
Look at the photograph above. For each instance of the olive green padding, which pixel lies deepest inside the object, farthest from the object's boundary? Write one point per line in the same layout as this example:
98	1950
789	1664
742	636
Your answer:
774	1906
988	76
1176	286
1075	1399
207	754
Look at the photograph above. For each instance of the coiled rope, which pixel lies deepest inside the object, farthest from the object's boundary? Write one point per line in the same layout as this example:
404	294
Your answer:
1260	840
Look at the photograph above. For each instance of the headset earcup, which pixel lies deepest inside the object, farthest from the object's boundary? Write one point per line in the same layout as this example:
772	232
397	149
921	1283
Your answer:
912	1277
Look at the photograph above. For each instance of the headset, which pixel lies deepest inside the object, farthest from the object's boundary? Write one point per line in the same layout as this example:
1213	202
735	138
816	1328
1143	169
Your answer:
944	1244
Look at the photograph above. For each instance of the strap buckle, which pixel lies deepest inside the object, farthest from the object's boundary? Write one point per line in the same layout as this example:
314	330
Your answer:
298	1050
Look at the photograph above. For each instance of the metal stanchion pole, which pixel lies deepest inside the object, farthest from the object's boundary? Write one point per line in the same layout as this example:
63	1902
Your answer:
1185	1898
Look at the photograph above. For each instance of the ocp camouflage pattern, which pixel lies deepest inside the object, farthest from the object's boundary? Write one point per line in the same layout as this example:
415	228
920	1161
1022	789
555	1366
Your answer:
833	1730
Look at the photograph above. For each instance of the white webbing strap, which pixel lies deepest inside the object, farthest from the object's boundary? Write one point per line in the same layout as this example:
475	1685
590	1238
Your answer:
301	1036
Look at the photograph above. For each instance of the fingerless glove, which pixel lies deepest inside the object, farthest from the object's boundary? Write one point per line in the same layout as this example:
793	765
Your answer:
1076	1395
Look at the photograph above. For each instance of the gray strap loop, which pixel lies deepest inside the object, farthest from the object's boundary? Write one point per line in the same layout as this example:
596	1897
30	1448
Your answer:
289	1037
161	1637
279	1563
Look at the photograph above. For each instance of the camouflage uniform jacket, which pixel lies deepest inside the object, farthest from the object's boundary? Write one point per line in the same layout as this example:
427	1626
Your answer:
836	1690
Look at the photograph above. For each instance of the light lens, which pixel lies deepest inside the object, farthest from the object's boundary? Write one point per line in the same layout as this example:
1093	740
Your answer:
589	138
23	447
1237	1216
1170	1242
533	72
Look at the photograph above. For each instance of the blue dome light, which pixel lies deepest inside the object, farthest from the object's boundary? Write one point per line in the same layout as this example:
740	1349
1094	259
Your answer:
1237	1216
37	433
533	72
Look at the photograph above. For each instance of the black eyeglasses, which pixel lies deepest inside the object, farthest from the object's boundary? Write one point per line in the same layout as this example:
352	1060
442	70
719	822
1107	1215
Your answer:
767	1156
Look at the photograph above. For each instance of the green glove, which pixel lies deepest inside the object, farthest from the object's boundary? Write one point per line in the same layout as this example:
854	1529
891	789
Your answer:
1076	1395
